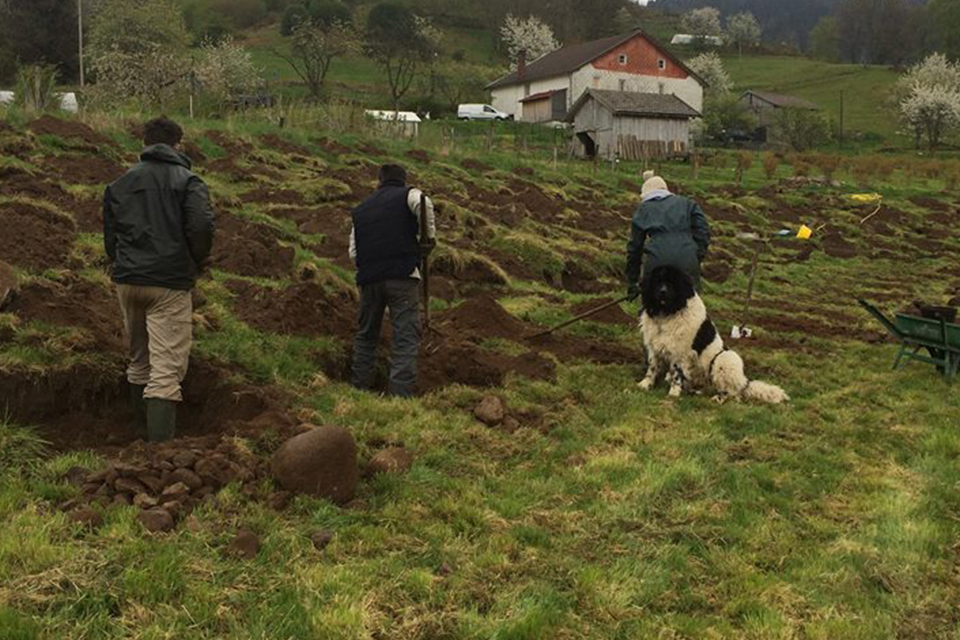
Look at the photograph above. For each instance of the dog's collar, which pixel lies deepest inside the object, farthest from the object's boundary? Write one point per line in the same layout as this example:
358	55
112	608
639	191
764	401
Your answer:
713	361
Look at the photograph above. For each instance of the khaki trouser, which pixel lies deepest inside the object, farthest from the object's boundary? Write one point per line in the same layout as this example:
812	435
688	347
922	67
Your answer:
159	329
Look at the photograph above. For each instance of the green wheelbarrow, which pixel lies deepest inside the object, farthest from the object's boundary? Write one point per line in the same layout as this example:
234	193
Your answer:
941	339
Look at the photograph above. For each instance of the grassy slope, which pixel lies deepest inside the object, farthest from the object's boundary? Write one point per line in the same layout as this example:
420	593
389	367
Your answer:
866	89
630	517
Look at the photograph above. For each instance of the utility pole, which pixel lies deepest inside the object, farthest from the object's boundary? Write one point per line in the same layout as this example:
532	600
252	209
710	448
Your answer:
841	118
80	32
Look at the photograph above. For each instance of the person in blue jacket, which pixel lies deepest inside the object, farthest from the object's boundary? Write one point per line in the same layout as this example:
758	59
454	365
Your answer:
667	229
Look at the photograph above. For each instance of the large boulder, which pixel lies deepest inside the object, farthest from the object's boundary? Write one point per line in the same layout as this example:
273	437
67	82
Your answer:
9	285
321	462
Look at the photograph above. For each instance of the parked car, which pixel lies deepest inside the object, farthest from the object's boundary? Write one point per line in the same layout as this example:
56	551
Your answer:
481	112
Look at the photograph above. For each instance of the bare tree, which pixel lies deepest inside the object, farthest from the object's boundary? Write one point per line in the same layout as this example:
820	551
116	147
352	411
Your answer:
313	48
400	42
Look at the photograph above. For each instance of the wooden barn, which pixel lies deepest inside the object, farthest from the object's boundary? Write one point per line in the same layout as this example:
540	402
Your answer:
631	126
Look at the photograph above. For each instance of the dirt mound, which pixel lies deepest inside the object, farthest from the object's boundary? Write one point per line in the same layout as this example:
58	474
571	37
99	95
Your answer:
76	303
540	205
35	237
233	146
717	271
84	169
419	155
15	182
332	223
611	315
332	146
193	151
250	249
273	196
836	246
445	363
481	317
86	406
475	165
275	142
930	203
577	279
303	309
69	129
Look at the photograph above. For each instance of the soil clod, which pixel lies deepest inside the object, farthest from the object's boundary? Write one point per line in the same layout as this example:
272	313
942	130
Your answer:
86	517
321	462
156	520
491	411
245	544
393	460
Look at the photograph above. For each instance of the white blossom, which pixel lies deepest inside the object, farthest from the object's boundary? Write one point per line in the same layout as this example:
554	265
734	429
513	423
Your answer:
709	66
928	97
528	34
702	22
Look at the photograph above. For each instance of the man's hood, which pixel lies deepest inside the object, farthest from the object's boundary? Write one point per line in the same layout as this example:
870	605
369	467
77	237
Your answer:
164	153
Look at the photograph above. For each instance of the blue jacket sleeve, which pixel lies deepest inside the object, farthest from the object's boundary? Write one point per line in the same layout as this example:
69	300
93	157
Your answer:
109	228
638	237
700	229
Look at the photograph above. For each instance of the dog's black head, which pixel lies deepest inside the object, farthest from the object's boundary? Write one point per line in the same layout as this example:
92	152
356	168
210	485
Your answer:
666	291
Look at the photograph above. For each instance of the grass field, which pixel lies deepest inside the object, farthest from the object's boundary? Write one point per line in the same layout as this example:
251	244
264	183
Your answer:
611	513
866	90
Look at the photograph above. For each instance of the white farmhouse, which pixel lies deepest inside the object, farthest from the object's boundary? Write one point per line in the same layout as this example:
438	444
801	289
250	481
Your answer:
632	62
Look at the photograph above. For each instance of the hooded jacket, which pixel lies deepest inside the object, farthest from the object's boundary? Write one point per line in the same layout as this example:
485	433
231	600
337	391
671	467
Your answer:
669	230
157	222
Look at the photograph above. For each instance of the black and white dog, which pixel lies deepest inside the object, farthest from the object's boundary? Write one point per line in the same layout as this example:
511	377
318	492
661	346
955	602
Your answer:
682	342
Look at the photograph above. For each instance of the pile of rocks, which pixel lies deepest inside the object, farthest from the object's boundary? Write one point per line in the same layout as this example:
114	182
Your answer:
168	484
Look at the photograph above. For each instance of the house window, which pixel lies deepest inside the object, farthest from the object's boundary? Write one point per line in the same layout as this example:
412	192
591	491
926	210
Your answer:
623	58
623	85
663	88
661	64
526	90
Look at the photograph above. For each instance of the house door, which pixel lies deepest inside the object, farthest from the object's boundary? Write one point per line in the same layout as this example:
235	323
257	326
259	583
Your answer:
589	146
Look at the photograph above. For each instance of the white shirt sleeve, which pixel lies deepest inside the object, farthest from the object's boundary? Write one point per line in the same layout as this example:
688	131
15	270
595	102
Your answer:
353	243
413	203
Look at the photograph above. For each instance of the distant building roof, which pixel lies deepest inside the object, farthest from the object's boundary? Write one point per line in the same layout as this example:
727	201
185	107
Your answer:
686	38
543	95
782	101
627	103
402	116
566	60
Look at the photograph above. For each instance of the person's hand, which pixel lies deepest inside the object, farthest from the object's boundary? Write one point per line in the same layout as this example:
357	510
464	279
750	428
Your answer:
427	246
633	291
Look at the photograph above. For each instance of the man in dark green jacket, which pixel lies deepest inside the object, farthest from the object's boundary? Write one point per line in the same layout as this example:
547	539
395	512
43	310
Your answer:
157	232
667	229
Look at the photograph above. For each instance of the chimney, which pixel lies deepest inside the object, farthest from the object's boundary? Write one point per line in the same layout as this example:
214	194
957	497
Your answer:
521	64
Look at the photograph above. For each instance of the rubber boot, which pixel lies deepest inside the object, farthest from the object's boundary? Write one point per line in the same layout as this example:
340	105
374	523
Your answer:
139	410
161	419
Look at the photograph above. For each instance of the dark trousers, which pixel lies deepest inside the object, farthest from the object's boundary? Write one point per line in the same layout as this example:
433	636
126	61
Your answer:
402	298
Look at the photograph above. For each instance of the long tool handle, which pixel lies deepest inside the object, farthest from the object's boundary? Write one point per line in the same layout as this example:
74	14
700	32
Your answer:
580	317
425	260
753	277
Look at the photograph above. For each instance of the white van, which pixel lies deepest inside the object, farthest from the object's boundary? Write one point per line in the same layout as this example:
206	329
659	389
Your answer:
481	112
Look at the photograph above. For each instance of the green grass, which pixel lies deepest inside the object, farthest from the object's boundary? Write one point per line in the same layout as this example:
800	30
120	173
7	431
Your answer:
610	514
866	90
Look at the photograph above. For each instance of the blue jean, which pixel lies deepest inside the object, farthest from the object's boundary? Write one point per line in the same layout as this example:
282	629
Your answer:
402	298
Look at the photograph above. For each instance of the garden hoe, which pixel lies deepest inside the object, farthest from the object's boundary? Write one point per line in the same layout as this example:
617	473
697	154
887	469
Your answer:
425	262
741	330
582	316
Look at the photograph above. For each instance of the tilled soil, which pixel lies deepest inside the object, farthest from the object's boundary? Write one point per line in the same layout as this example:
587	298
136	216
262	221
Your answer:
83	169
248	248
35	237
74	303
304	309
69	129
84	406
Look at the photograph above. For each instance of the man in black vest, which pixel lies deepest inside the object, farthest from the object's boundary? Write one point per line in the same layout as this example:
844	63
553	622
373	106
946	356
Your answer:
386	245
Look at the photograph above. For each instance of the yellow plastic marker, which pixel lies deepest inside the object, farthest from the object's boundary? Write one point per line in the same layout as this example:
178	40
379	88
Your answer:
805	232
866	198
